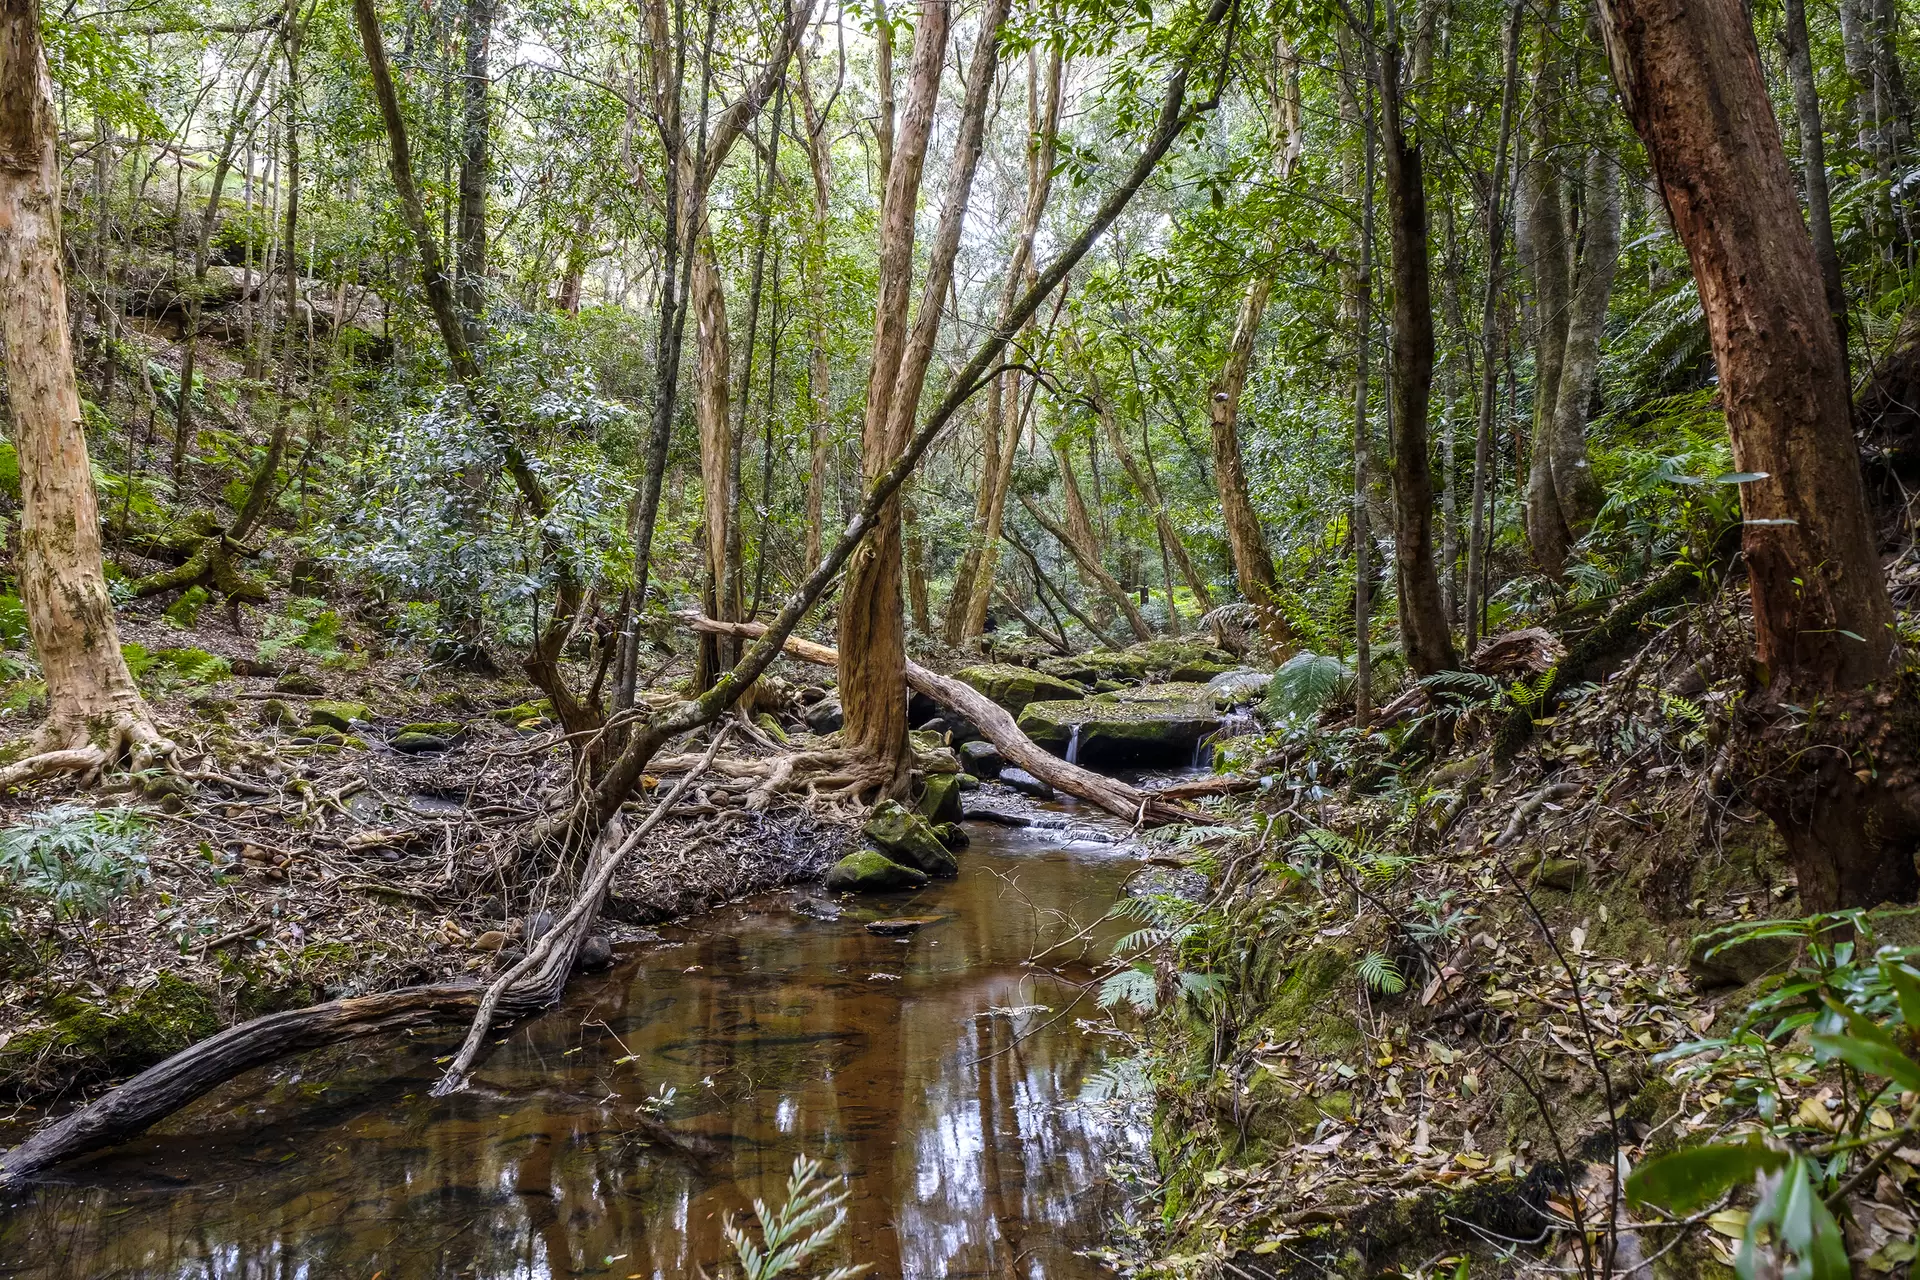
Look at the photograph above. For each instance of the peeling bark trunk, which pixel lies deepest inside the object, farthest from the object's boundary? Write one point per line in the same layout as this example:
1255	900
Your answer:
712	398
93	705
1822	618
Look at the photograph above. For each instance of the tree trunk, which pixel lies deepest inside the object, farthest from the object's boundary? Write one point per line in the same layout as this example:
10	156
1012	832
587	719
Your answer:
1252	562
1798	56
973	583
872	630
819	370
1426	637
712	400
94	709
1574	487
1490	331
1545	255
475	128
1822	618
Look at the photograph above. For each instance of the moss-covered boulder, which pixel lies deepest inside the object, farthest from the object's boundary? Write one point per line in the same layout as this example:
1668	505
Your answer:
413	744
940	802
1085	670
438	728
982	759
870	871
904	836
93	1039
1137	727
1014	687
338	715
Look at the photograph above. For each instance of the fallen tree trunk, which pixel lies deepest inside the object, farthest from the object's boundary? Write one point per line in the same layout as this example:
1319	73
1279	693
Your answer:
531	985
996	724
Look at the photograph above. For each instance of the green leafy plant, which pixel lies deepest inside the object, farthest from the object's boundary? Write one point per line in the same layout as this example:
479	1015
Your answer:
306	624
1305	684
813	1214
13	621
76	858
1851	1008
1380	973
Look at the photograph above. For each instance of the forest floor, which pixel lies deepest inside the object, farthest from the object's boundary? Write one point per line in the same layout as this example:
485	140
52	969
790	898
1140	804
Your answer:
363	840
1465	989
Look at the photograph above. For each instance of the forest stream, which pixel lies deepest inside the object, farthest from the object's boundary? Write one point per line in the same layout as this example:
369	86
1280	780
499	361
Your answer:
783	1026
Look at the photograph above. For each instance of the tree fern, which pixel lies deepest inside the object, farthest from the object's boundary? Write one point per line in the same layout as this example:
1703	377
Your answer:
1306	683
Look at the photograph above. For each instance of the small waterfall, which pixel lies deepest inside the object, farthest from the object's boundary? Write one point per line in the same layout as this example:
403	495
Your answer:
1235	723
1073	744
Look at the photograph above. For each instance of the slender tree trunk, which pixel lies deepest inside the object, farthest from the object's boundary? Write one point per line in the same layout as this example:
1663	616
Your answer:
1822	618
475	129
1080	542
1574	487
1798	56
94	709
973	583
1426	637
1252	562
1545	254
819	370
712	413
1495	204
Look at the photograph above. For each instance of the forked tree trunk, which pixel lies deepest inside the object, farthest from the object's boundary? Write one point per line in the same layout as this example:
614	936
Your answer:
1252	561
873	688
1689	74
94	708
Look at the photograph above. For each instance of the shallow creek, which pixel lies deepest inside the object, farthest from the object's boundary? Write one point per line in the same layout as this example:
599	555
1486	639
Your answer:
925	1070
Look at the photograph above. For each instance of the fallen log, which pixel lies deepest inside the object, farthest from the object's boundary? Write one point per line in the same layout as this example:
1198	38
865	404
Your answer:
531	985
996	724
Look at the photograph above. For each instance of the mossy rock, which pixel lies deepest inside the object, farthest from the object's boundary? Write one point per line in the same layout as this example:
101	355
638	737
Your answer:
300	682
1120	731
905	837
524	711
438	728
338	715
1168	657
870	871
128	1031
410	743
1014	687
1564	874
769	725
1721	958
1090	668
940	802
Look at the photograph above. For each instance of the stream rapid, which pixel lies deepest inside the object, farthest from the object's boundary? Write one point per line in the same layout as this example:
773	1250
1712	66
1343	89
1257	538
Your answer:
939	1074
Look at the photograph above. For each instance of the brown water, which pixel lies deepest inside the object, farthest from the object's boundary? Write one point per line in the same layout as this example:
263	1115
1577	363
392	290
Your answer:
894	1061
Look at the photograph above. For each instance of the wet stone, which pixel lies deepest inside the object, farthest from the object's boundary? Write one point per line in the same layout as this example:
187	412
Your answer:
982	759
413	744
870	871
1026	784
595	953
900	925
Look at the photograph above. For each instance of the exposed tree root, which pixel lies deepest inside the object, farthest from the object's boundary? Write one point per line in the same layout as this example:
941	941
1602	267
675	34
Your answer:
126	733
528	987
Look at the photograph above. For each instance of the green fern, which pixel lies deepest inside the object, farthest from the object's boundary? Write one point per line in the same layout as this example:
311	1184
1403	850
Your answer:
1306	683
1135	986
812	1215
1380	974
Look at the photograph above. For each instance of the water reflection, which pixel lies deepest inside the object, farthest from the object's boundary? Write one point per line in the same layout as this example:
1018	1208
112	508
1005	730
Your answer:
930	1071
